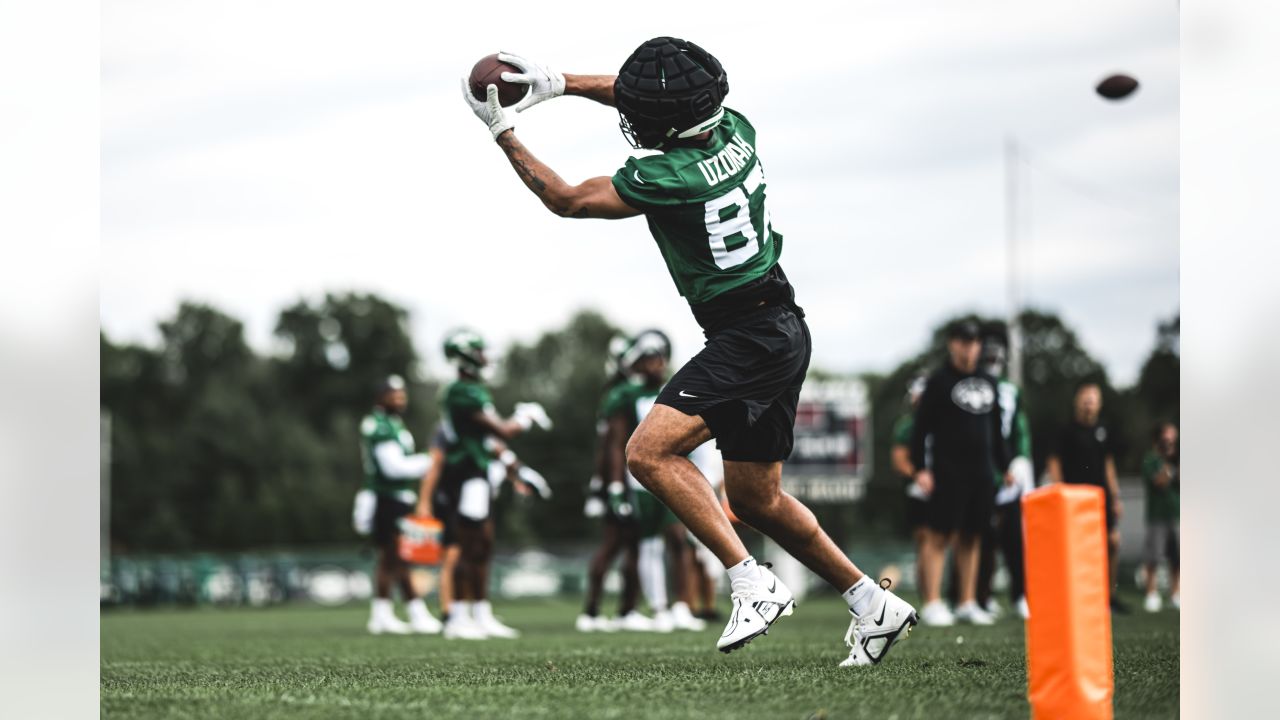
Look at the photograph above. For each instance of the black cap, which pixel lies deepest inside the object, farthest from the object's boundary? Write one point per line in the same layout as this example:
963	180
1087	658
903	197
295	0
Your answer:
963	330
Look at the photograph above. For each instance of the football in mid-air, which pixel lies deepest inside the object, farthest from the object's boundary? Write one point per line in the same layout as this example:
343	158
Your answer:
1117	87
488	71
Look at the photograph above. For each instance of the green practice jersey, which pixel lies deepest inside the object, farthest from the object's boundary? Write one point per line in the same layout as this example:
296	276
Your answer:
1163	503
376	428
465	451
902	429
1014	426
706	210
632	401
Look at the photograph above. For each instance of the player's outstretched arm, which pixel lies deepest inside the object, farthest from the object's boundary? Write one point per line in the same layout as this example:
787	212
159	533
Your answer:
594	198
591	87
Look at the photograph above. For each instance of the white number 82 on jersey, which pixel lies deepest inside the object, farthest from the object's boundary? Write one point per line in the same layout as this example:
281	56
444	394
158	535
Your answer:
719	231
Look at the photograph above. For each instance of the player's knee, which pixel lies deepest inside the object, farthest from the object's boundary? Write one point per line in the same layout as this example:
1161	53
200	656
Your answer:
749	508
643	457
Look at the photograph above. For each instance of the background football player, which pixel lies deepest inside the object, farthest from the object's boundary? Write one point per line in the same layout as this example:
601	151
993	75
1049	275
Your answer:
900	460
469	421
704	199
1006	527
392	473
663	549
435	501
619	536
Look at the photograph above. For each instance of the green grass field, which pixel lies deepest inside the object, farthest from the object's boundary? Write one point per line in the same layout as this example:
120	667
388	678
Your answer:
308	662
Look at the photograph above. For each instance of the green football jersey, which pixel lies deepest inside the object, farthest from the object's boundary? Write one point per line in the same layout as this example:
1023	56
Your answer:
376	428
465	451
1163	503
902	429
1014	427
706	210
633	401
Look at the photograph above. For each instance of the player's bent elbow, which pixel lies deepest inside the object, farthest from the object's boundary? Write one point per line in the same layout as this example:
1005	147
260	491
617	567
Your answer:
569	207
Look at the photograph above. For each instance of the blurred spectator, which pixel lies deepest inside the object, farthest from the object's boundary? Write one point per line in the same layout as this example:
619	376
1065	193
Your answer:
1085	455
1160	476
958	409
900	460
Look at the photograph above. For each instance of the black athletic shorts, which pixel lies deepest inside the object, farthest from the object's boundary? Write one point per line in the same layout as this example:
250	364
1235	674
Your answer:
745	383
917	513
445	508
386	521
961	502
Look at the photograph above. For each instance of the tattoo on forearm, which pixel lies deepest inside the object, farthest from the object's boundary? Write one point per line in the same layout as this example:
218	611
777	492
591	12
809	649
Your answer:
519	160
532	172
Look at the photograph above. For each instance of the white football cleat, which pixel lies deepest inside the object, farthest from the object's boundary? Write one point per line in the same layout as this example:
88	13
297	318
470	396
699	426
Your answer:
685	620
936	614
871	636
589	623
972	613
492	626
421	620
1024	610
388	625
1151	603
633	622
461	626
1176	601
993	608
663	622
757	605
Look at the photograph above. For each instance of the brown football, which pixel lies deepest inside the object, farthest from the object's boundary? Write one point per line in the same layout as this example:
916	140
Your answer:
1117	86
489	72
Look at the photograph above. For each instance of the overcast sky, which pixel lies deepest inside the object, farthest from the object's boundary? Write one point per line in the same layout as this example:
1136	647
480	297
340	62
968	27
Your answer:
257	152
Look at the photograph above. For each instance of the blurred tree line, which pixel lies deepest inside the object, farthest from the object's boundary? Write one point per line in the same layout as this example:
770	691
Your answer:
216	447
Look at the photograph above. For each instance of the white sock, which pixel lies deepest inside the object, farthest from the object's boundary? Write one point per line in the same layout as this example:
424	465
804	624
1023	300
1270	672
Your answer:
860	596
382	608
745	570
653	572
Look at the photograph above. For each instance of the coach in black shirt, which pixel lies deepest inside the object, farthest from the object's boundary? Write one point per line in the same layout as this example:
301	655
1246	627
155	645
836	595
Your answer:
1084	454
958	411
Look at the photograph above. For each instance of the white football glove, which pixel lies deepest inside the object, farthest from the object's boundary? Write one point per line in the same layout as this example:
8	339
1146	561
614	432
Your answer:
489	110
531	413
362	512
544	83
534	479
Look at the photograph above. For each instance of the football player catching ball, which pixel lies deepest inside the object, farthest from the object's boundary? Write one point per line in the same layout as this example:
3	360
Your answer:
704	198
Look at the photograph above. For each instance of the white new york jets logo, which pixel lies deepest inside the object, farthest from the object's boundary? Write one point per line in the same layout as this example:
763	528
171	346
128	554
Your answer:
974	395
